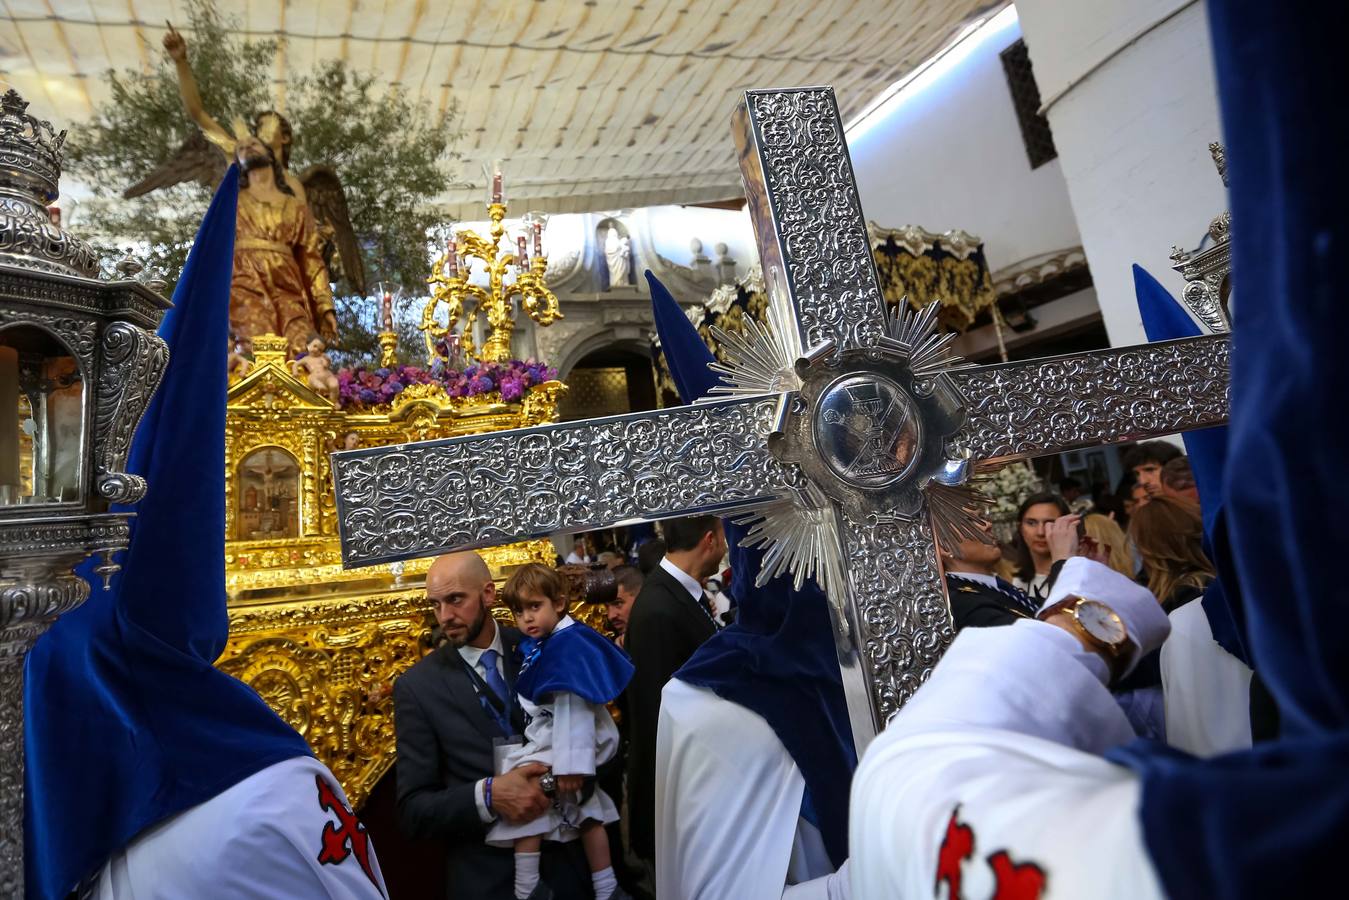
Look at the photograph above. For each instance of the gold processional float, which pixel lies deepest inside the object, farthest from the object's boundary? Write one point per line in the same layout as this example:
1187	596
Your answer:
322	644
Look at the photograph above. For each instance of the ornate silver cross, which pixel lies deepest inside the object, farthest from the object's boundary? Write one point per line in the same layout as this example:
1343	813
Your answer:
846	437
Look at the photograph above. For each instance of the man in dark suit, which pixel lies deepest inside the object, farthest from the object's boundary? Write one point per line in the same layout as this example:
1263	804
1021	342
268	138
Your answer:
449	709
979	598
669	619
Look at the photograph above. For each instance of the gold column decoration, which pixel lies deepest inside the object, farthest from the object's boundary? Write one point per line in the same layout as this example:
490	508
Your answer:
388	348
320	643
450	287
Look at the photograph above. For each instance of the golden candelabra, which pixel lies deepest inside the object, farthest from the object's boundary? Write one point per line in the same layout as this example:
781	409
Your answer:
450	287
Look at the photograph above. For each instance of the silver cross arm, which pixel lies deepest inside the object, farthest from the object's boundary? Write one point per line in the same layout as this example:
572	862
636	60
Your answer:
807	217
1062	403
416	500
874	540
896	604
846	438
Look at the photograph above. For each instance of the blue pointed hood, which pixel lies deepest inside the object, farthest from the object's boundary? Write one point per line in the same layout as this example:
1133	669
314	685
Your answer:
685	352
778	658
1164	319
1270	821
128	720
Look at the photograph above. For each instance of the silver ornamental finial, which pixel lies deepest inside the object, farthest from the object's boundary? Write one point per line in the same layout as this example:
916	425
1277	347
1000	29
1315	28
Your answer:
128	267
29	178
1207	270
1219	155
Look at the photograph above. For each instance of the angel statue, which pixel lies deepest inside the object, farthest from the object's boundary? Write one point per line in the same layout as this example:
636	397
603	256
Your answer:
287	226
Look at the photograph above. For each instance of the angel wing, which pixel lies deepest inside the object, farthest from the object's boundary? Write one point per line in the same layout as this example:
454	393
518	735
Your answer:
328	203
196	160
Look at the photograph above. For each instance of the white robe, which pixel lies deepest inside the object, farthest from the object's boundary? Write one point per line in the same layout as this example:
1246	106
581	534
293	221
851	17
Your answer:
1207	689
999	750
262	838
572	737
728	806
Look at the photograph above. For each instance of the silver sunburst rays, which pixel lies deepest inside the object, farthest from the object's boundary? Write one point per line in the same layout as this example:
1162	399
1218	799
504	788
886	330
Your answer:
869	428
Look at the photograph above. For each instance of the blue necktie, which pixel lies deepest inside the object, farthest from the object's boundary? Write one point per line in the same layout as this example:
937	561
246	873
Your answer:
492	676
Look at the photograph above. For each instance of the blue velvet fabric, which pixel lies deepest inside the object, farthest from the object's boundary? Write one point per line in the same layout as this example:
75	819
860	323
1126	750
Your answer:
576	660
1271	822
778	658
1164	319
689	357
129	722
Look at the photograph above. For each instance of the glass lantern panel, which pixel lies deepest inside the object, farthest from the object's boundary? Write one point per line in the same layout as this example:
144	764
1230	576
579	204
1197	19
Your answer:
41	418
267	491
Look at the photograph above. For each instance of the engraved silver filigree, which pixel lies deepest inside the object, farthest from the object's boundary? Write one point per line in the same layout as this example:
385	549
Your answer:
851	437
1207	272
807	216
419	499
48	285
133	365
30	166
1083	400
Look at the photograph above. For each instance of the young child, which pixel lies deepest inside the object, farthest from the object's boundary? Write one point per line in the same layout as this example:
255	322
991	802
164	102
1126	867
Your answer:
569	673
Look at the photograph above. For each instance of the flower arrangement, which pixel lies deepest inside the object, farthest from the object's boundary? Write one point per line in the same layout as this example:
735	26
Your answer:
1008	486
365	388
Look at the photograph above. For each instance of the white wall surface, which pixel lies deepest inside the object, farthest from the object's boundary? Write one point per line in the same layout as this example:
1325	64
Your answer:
947	153
1137	110
673	227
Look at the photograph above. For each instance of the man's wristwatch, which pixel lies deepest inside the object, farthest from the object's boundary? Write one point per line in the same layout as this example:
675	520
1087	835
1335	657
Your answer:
548	783
1099	626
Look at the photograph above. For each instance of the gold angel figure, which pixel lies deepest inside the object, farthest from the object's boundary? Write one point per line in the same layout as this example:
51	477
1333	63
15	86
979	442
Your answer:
288	227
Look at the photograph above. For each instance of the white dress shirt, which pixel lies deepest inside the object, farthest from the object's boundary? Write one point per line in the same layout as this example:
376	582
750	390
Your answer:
688	581
473	656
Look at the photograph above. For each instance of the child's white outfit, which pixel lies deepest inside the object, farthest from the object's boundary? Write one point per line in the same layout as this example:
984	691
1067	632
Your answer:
570	733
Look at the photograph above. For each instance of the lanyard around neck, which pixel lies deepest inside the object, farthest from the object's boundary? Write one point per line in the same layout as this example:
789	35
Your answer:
498	709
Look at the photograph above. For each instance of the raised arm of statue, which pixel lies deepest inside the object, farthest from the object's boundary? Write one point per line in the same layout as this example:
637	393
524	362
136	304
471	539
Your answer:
176	47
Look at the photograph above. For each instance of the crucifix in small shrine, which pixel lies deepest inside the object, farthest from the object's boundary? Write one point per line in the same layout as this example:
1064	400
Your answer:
847	435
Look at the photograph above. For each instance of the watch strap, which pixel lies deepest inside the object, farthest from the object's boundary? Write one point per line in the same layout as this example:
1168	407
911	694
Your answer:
1115	655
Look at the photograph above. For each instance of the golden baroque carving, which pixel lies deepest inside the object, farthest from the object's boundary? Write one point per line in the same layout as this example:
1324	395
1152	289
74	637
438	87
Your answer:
325	669
320	643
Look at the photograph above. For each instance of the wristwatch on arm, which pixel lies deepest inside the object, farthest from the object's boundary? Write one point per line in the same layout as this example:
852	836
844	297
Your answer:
1098	627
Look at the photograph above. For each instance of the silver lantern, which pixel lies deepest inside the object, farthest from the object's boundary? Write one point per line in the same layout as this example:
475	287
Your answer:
79	360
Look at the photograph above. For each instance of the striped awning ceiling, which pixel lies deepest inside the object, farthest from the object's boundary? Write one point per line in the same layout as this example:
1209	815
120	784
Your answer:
589	104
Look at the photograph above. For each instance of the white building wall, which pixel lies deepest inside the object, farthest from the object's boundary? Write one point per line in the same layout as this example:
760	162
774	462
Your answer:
947	153
1133	107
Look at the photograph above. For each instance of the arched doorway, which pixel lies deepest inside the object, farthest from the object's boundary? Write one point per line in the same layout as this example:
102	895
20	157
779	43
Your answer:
608	381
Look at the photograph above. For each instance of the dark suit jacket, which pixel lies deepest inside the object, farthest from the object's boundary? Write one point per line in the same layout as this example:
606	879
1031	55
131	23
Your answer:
975	605
664	628
445	745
